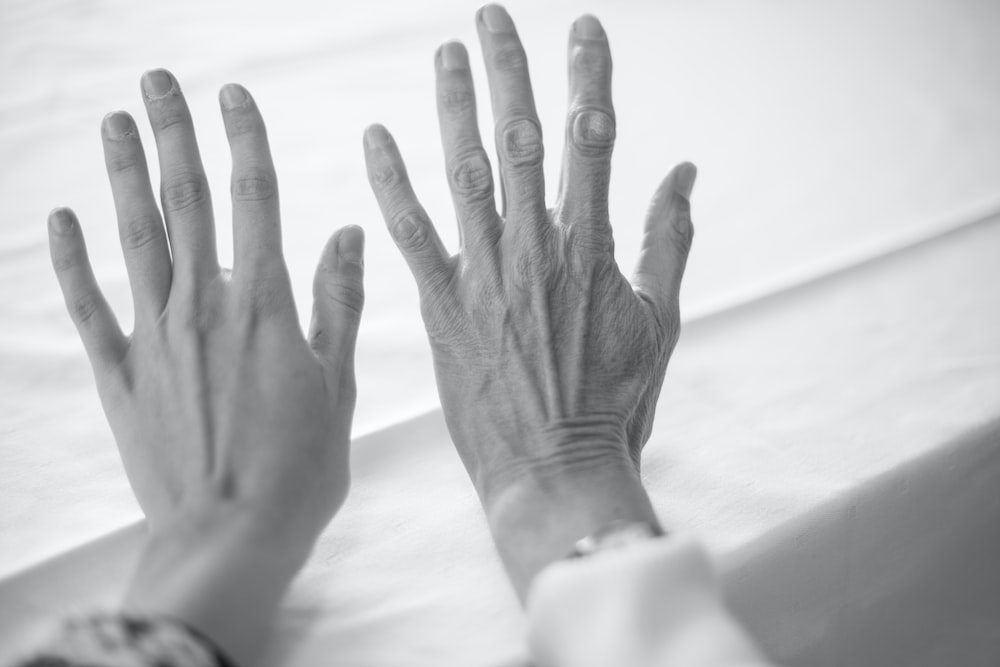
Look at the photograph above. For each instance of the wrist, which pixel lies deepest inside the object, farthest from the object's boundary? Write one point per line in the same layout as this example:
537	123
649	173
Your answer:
537	516
222	571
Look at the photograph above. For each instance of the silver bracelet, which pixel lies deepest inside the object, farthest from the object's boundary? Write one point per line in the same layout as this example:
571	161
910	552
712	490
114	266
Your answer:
617	534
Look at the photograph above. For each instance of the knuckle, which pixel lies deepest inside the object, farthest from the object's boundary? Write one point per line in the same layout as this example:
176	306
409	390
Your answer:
170	114
510	58
122	162
254	184
410	231
386	175
592	240
261	296
84	308
140	232
346	292
683	229
472	177
458	100
184	191
593	132
64	262
243	121
522	143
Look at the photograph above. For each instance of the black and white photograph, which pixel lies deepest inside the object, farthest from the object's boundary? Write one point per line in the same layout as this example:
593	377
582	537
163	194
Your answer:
582	333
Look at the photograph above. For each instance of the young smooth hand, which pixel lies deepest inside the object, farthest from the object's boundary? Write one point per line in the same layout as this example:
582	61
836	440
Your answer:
548	360
233	427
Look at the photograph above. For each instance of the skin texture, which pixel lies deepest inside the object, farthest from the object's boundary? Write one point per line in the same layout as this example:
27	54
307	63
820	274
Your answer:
233	426
548	360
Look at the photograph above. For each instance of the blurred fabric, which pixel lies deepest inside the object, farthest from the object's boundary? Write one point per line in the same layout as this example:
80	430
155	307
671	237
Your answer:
833	439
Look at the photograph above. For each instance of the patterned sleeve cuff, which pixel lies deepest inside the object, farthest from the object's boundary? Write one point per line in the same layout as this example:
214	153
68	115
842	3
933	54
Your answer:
115	640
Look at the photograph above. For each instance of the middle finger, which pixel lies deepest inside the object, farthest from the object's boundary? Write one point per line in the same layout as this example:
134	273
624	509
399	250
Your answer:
184	195
518	132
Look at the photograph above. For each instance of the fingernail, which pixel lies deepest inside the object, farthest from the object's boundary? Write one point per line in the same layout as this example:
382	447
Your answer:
118	125
684	181
496	19
232	96
377	135
351	244
454	56
157	83
588	27
61	220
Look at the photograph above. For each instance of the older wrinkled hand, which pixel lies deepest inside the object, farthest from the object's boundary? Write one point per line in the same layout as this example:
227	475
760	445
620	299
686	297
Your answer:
548	360
217	401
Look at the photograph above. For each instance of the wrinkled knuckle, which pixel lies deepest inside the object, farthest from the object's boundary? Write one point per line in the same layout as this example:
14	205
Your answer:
522	143
386	176
169	116
254	184
140	232
410	231
185	191
683	229
458	100
84	308
346	292
511	58
472	177
122	162
242	121
593	132
592	240
64	262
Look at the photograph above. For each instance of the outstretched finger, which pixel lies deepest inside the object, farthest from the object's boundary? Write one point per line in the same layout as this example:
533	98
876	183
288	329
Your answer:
406	219
102	337
666	241
338	298
254	188
140	227
590	129
518	130
470	176
187	205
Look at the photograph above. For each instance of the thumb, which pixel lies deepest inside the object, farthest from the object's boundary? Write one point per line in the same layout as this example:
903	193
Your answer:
666	240
338	297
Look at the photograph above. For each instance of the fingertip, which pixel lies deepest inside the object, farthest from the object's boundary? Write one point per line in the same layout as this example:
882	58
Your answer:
157	84
685	175
376	136
452	55
118	125
62	220
588	27
233	96
351	244
494	18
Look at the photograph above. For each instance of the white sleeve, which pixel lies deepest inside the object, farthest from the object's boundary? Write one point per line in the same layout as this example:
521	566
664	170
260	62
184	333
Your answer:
655	603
